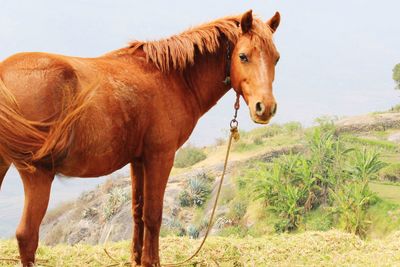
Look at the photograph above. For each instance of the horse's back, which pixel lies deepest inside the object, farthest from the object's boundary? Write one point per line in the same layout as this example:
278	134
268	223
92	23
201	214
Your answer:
40	82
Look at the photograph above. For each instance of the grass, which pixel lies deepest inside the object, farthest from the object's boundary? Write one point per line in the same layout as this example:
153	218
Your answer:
390	173
188	156
332	248
371	143
388	192
385	219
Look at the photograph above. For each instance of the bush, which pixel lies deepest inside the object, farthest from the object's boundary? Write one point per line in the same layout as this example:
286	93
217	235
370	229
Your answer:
188	156
173	227
258	141
292	127
287	190
237	210
328	175
366	165
327	158
196	192
185	199
193	232
351	204
116	198
271	130
320	219
395	108
89	213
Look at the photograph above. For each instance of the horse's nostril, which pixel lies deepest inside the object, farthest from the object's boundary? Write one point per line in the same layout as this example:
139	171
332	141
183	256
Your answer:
274	109
260	108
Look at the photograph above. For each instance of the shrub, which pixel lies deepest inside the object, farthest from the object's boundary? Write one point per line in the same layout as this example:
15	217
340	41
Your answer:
174	227
199	191
318	220
395	108
237	210
116	198
185	199
196	192
292	127
89	213
352	201
366	165
271	130
193	232
354	197
327	157
188	156
287	190
258	141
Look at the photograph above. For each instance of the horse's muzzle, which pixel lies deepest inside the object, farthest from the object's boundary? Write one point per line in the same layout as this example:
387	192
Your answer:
263	113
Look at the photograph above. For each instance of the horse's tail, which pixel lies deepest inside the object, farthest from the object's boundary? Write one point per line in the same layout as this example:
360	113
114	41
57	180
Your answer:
24	142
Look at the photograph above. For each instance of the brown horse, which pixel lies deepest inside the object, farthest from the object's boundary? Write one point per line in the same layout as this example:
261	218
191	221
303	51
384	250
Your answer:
88	117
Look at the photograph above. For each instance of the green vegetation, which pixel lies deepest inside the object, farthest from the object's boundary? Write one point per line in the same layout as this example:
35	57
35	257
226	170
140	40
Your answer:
273	136
395	108
390	173
325	186
188	156
388	192
196	191
396	75
116	198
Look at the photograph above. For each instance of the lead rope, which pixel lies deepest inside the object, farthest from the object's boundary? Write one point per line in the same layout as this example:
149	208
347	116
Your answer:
234	134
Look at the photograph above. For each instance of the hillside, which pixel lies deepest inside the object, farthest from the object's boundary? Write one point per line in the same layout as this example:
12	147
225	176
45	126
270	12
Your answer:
332	248
107	210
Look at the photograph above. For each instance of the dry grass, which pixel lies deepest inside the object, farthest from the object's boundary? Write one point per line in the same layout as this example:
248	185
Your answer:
332	248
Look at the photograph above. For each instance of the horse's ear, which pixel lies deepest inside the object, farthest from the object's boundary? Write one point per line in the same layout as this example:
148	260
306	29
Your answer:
273	22
247	21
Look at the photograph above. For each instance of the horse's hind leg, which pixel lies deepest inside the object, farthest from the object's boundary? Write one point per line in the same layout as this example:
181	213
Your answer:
37	187
3	170
137	210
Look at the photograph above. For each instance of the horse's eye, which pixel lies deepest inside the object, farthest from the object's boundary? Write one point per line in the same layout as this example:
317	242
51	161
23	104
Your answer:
243	57
277	60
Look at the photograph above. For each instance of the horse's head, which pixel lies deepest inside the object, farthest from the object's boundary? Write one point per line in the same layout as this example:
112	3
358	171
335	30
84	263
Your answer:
253	66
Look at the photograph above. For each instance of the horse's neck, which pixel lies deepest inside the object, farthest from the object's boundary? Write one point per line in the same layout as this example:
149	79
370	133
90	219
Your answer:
205	79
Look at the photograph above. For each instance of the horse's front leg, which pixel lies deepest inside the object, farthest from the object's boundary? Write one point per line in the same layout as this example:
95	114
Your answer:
37	187
157	169
137	211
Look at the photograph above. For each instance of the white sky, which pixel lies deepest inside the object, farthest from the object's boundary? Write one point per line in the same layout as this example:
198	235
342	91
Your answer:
336	56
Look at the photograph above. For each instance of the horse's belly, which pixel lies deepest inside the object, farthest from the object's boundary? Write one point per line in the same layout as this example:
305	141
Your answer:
100	151
93	164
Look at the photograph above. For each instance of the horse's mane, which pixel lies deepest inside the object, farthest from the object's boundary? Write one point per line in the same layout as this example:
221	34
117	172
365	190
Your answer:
178	51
